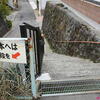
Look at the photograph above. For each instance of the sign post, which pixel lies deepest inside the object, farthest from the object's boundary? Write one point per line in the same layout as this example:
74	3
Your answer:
32	67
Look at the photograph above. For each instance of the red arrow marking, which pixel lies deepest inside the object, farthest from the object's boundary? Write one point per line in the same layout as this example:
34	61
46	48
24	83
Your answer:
15	55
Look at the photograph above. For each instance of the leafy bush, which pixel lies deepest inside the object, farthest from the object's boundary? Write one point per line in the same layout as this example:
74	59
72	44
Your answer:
9	23
4	9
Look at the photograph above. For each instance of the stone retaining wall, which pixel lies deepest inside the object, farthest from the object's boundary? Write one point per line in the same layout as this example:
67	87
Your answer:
60	24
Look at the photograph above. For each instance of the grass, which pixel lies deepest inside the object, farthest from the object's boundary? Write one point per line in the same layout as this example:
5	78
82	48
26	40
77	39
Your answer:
11	84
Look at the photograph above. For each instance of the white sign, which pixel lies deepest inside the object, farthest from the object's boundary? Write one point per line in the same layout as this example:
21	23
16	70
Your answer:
12	50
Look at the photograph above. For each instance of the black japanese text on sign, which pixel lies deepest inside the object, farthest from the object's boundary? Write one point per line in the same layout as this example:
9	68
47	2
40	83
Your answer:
13	51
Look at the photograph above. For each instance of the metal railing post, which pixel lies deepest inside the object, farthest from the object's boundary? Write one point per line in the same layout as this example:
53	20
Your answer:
32	68
23	31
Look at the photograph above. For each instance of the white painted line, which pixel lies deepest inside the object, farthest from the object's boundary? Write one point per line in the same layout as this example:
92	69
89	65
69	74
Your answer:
32	3
13	39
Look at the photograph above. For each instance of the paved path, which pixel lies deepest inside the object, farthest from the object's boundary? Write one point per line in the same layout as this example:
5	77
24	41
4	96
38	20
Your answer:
25	14
62	67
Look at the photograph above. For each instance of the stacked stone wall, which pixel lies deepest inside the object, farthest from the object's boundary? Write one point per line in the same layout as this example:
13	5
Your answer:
60	24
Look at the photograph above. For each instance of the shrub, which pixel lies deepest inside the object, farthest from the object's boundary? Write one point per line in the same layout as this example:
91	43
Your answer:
4	9
9	23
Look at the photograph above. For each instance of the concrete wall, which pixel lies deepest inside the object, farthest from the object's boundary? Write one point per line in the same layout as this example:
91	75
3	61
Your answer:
60	24
89	9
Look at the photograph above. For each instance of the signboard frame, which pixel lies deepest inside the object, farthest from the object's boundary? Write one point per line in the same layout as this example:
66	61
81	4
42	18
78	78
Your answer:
13	50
